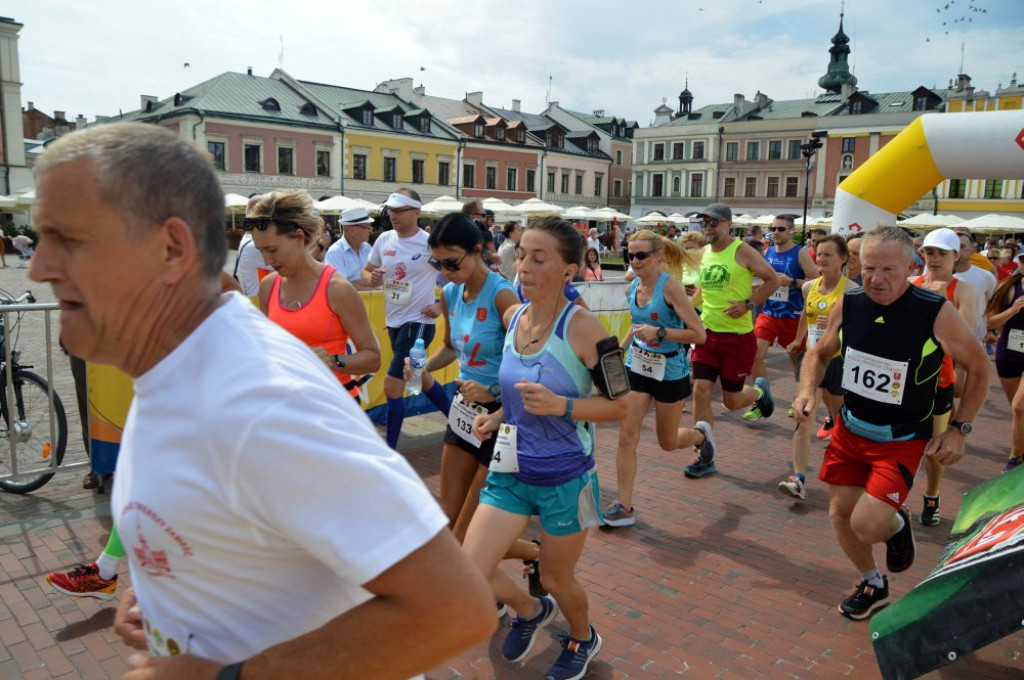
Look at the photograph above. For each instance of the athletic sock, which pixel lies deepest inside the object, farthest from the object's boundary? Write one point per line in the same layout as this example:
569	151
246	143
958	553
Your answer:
107	566
873	578
439	398
931	498
396	414
800	476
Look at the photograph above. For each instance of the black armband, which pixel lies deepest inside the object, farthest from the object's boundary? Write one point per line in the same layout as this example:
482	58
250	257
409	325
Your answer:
609	374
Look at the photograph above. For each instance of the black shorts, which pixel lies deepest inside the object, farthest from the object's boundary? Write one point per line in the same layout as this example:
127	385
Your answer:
402	340
664	391
1009	370
482	453
943	400
832	381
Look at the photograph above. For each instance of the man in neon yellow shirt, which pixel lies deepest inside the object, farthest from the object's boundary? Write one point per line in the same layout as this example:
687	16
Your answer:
726	275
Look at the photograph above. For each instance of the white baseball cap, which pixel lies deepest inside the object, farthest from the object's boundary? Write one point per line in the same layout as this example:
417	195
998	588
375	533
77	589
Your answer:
943	239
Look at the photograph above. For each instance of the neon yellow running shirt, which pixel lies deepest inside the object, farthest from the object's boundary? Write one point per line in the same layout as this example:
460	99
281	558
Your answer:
723	279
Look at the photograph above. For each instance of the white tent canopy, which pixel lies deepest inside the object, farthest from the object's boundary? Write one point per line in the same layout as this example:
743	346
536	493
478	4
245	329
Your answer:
441	206
926	222
581	212
994	224
608	214
653	219
534	207
498	206
235	203
335	205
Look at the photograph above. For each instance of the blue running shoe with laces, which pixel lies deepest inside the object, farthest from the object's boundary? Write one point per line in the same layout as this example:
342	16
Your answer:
523	632
576	655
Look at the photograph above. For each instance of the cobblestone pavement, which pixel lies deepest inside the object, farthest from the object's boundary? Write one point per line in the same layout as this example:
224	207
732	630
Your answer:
721	577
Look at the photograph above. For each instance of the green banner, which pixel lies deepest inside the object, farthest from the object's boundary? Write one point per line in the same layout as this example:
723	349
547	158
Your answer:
974	596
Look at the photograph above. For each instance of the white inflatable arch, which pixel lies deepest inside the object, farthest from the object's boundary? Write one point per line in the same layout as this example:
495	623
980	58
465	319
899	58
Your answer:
935	147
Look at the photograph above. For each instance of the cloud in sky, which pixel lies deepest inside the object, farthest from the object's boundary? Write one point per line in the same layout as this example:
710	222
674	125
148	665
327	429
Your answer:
98	57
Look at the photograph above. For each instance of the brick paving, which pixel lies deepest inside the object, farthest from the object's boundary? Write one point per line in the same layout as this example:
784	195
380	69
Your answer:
721	578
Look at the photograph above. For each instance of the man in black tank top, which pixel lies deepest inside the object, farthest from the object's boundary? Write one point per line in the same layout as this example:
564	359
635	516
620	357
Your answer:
892	337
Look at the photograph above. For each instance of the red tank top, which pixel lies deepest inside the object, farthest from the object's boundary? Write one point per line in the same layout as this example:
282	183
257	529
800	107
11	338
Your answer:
947	374
314	323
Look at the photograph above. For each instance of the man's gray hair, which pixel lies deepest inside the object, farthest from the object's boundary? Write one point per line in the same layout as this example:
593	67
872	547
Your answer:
896	234
148	174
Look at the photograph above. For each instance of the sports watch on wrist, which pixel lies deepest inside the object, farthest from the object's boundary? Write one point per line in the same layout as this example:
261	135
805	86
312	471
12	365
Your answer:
495	390
339	360
749	303
965	428
662	332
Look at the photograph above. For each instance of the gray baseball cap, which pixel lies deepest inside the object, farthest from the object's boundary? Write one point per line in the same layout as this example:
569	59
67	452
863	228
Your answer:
720	211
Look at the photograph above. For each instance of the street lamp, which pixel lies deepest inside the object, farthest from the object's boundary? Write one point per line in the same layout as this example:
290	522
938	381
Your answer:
808	149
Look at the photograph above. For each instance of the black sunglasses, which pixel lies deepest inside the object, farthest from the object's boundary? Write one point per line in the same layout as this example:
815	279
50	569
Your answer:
779	229
642	255
450	265
261	224
709	222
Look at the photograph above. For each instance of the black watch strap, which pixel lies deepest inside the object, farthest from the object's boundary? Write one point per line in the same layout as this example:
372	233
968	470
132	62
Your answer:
230	672
339	360
965	428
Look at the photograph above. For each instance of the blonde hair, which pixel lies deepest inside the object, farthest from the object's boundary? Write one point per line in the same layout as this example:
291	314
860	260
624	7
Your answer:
673	257
293	206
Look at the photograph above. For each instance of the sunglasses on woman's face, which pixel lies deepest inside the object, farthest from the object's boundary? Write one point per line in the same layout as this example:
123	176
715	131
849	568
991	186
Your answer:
451	265
642	255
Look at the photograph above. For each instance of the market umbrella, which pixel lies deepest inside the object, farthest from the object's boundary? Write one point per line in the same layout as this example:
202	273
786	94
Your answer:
743	219
679	219
534	207
9	204
973	597
498	206
580	212
927	222
235	204
441	206
335	205
653	219
609	214
994	224
26	198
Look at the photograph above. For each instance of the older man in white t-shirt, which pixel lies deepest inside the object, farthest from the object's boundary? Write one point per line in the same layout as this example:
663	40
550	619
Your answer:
400	262
270	532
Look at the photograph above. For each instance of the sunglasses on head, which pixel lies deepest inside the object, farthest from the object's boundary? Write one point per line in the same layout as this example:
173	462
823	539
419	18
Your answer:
261	224
449	265
642	255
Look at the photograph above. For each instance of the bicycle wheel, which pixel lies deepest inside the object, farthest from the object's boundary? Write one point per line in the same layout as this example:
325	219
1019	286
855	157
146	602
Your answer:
28	424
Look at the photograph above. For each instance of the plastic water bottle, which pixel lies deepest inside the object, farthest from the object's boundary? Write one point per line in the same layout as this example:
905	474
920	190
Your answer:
417	358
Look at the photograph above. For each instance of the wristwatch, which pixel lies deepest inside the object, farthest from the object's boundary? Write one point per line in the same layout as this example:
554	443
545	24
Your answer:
749	303
495	390
662	332
339	360
965	428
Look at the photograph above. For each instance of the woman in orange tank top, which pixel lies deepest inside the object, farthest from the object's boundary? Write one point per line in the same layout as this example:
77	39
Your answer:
305	296
941	252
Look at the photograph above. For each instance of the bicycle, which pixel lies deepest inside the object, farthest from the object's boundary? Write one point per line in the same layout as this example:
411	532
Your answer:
27	428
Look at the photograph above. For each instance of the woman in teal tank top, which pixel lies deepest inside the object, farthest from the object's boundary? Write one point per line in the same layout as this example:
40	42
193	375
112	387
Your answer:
664	324
543	462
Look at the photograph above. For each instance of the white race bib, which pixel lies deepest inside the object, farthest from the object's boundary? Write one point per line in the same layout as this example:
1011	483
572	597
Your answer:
781	294
461	416
1015	340
506	456
397	292
816	332
875	378
649	364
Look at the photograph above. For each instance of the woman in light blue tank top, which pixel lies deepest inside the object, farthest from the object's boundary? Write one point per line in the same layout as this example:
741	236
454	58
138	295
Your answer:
473	303
664	324
543	461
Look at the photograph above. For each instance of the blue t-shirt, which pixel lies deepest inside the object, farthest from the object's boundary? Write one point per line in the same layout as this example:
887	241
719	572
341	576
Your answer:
475	329
787	302
657	312
551	449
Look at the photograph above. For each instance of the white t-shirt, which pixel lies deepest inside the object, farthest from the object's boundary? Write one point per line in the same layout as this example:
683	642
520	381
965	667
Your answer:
249	260
407	276
984	284
507	253
253	496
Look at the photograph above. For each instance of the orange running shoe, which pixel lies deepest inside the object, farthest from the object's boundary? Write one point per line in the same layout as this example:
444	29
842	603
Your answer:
83	581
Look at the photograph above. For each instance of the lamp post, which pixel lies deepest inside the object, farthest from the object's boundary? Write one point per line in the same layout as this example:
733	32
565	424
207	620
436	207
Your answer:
808	149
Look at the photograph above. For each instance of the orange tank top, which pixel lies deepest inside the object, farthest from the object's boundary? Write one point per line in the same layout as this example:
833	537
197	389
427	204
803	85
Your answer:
314	323
947	374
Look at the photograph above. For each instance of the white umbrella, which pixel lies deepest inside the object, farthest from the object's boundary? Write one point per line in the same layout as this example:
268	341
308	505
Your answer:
9	204
653	219
743	219
927	222
534	207
679	219
441	206
498	206
763	221
26	198
235	203
994	224
371	208
609	214
335	205
580	212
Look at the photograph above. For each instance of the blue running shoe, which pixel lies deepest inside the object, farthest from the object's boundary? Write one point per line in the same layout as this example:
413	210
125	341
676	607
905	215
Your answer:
523	632
576	655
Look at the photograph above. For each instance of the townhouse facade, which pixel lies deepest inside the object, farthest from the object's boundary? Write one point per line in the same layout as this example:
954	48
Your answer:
14	172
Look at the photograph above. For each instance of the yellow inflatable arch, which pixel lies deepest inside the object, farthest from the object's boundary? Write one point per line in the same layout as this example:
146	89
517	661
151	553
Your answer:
935	147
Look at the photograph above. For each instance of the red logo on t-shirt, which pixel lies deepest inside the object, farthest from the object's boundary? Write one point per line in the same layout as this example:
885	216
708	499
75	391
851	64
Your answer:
654	316
400	271
390	253
481	314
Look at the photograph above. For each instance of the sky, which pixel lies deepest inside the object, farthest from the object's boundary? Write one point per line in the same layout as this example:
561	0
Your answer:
97	57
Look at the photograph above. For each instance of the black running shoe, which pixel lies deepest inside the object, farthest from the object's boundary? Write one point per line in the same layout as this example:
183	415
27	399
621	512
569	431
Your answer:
865	601
900	549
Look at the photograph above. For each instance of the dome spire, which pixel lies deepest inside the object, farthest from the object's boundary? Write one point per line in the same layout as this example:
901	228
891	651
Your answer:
838	73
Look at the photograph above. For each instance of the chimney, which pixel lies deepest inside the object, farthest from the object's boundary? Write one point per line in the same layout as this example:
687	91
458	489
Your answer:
475	98
145	99
515	104
738	100
80	122
248	71
599	113
421	91
59	116
400	87
846	91
31	106
963	82
761	100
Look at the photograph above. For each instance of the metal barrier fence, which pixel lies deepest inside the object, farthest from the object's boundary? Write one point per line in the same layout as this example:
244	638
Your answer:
28	346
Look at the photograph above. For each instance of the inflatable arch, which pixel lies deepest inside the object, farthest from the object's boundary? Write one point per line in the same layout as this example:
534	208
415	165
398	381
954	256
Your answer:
935	147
